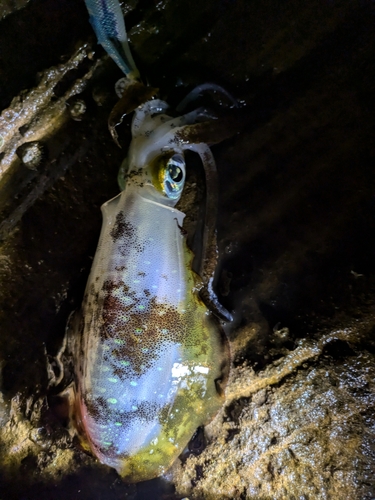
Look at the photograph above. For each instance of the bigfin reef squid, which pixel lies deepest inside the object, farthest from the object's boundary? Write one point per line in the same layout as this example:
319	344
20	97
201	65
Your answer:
150	358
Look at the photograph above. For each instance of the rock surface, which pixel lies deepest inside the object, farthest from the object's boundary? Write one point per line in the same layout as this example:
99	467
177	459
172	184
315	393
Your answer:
296	239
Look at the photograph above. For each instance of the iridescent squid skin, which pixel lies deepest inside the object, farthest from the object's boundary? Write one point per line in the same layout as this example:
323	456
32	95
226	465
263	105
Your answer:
149	354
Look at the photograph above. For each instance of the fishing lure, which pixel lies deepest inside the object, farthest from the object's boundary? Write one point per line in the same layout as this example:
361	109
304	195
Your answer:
150	359
108	23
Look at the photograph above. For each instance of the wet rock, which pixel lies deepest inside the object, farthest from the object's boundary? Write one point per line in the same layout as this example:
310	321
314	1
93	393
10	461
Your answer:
9	6
296	237
301	428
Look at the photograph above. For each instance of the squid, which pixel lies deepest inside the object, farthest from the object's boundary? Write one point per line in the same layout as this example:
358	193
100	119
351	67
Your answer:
150	357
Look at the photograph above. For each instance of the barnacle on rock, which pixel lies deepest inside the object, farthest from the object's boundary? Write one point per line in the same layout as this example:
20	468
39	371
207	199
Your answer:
31	154
120	86
77	109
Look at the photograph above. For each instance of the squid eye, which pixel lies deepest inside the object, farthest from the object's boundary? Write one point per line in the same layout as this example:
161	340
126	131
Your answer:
173	176
175	173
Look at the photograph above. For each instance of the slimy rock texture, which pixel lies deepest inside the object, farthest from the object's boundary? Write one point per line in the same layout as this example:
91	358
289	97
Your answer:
296	241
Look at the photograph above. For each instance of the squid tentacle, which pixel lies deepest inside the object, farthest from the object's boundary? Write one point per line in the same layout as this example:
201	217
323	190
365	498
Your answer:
201	89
